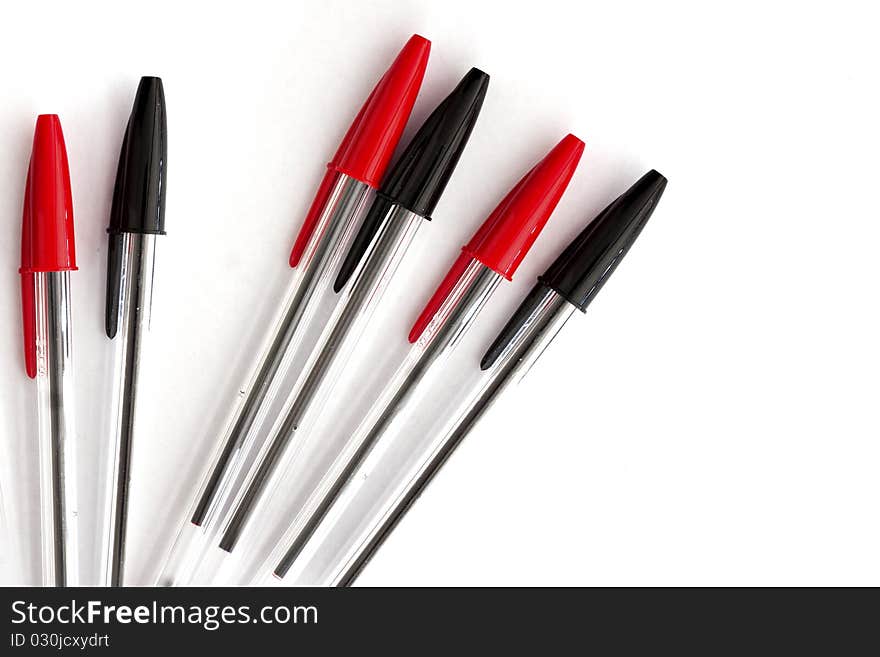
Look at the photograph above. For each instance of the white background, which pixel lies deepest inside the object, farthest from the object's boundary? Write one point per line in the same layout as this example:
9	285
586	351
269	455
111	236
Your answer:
711	421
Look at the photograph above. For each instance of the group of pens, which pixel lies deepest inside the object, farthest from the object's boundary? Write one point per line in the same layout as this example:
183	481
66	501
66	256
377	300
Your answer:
354	237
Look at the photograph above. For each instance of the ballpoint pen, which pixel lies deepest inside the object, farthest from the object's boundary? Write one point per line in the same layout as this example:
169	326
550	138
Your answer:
492	255
570	284
48	255
137	218
333	219
406	200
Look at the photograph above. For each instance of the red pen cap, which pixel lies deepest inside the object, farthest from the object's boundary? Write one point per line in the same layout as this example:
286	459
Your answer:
370	141
368	145
506	236
47	222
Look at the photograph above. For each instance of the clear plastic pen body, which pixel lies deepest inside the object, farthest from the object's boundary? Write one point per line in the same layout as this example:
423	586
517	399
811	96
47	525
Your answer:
309	296
473	289
4	532
361	296
391	489
57	442
131	343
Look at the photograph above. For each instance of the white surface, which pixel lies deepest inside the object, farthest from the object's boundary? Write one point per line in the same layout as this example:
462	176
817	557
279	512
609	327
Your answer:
712	420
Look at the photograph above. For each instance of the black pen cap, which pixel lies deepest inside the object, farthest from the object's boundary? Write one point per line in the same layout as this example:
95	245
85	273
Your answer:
139	192
418	178
141	178
582	268
420	175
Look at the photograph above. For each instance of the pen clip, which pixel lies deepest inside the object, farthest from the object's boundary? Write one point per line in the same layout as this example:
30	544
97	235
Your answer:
515	326
439	298
363	241
311	220
29	323
113	298
28	297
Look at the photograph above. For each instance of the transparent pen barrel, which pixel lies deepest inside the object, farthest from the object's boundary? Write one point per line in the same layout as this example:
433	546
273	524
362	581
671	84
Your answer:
403	461
415	378
131	347
57	442
325	366
308	305
4	534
